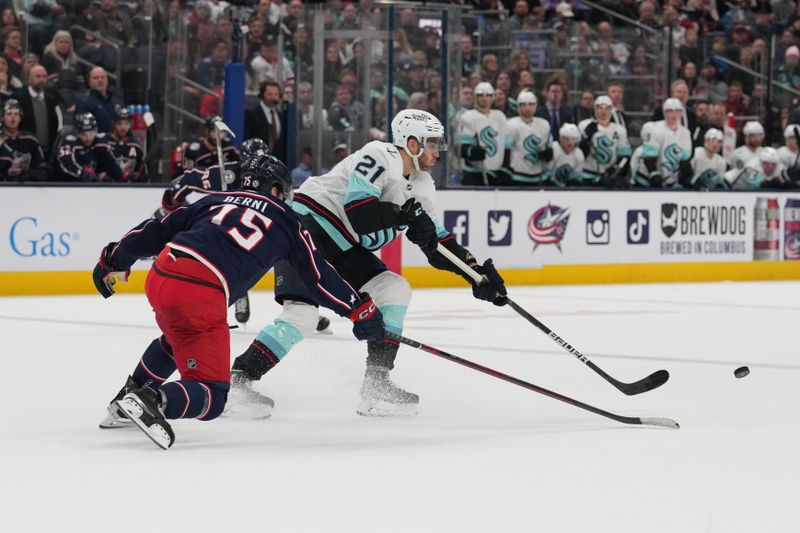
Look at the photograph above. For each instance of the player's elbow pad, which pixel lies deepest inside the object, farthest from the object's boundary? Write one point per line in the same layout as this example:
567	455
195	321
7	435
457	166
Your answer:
368	216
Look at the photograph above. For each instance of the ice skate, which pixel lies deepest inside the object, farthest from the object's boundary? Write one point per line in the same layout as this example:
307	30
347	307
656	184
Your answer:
245	402
143	407
381	397
323	326
114	417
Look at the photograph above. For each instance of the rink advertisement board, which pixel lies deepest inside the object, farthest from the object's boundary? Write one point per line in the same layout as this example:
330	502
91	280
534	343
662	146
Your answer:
533	236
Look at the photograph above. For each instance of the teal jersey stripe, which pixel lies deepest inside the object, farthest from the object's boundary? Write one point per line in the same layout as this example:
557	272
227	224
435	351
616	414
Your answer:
358	188
329	228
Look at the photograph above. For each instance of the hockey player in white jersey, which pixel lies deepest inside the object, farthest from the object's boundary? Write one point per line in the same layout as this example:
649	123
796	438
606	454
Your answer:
753	139
764	171
636	157
708	166
604	144
790	154
481	140
666	150
567	164
529	143
355	209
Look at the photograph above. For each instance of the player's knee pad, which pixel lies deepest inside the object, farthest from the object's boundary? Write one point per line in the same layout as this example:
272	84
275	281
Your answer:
301	315
297	320
391	294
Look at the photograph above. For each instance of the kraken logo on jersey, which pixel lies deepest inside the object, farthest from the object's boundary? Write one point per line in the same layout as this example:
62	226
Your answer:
531	145
562	175
378	239
488	138
672	157
603	150
20	164
708	179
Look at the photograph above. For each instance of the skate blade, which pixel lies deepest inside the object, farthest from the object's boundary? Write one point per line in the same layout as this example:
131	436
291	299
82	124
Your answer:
160	438
113	421
385	409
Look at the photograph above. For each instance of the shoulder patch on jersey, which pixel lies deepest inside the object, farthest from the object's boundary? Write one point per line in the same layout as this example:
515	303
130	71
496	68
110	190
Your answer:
194	146
70	138
392	150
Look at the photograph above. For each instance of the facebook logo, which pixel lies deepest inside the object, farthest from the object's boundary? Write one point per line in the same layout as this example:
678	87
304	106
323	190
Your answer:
499	228
638	226
457	223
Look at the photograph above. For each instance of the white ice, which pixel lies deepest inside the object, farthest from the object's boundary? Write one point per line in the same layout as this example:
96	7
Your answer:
483	455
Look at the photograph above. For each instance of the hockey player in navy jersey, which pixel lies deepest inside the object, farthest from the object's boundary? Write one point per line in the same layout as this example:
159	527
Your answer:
127	152
202	153
85	157
358	207
21	155
209	254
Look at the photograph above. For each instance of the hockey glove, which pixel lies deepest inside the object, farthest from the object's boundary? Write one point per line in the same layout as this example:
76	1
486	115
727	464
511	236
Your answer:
88	174
473	152
421	229
492	288
104	273
656	181
409	211
367	320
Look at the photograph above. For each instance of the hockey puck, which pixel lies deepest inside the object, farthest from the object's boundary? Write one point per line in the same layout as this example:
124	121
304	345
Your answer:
741	372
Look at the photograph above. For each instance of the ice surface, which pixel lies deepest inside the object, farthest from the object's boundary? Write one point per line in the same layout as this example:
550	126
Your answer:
483	455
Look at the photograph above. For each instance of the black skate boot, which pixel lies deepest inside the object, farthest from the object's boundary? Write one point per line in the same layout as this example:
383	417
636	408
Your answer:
244	401
323	326
381	397
143	407
242	309
116	418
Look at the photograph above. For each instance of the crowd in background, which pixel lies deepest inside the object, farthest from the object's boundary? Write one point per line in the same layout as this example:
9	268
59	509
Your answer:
565	53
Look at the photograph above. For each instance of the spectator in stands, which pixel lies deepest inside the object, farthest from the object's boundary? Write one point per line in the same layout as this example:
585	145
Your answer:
466	99
101	100
296	15
474	79
469	61
717	116
789	72
21	156
585	108
84	157
522	18
525	82
554	110
127	152
41	114
415	79
8	19
217	8
268	120
418	101
518	62
689	50
255	34
12	49
303	171
349	18
688	73
269	66
716	89
618	51
564	14
503	82
680	90
8	82
489	67
503	103
300	51
343	115
737	102
647	15
115	25
64	70
210	72
201	27
616	91
702	112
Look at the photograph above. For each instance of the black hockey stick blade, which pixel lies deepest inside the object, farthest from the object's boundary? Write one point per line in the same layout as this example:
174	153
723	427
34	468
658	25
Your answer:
642	421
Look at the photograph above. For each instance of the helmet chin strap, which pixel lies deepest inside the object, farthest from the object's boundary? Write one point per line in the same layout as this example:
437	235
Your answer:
414	158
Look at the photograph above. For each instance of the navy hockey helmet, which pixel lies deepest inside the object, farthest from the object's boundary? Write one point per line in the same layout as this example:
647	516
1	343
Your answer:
85	122
262	172
254	146
210	121
121	113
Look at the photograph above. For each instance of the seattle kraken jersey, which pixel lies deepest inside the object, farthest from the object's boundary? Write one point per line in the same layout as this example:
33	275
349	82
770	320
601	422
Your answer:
742	155
373	172
526	142
787	157
202	154
18	155
129	156
489	132
73	157
565	167
708	172
238	236
670	147
608	145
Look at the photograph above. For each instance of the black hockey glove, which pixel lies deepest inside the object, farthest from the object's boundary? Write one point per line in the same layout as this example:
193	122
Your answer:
656	181
421	230
104	273
367	320
473	152
613	178
492	288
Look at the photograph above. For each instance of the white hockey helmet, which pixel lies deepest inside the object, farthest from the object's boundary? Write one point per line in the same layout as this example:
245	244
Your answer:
526	97
790	129
570	131
603	100
753	128
422	126
672	103
484	87
769	154
713	133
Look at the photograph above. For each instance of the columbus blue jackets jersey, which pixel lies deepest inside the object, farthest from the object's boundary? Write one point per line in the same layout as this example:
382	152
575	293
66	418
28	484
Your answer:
238	236
129	156
197	180
73	157
18	155
201	154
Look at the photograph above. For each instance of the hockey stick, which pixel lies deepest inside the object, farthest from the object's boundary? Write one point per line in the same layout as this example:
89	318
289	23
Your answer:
222	129
658	422
653	381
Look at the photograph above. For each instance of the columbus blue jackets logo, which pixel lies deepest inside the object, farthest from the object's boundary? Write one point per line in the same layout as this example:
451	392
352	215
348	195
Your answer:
548	225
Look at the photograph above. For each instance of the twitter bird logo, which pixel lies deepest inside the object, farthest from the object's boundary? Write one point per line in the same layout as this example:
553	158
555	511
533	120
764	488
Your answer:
499	228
